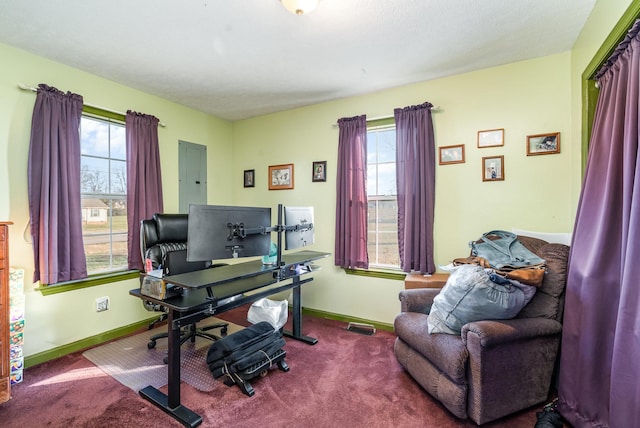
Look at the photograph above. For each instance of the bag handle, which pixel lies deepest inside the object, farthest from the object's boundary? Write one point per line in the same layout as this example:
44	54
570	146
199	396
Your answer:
503	235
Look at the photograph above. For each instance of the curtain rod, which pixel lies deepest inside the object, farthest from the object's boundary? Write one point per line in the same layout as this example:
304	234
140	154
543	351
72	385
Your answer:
32	89
391	116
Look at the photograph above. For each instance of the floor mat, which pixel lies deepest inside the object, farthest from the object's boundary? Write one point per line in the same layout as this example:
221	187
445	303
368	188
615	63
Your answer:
131	363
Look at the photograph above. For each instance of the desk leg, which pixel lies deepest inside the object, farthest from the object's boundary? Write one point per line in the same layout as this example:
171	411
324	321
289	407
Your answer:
173	357
170	403
297	317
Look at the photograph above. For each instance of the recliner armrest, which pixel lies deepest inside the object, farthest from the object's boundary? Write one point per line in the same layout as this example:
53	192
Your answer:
417	299
496	332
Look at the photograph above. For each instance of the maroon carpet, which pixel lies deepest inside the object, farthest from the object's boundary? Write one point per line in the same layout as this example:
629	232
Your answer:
345	380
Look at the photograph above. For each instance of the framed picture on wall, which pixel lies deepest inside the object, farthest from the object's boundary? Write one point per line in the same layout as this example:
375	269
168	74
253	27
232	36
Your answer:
249	178
281	177
543	144
319	170
451	154
493	168
491	138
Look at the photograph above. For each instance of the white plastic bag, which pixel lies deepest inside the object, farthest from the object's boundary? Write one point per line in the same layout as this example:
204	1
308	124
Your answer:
274	312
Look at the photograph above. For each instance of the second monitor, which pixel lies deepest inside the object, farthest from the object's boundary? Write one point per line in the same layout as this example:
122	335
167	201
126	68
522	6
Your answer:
298	223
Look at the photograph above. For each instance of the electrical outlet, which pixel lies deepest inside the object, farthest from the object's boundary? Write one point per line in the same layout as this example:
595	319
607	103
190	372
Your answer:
102	304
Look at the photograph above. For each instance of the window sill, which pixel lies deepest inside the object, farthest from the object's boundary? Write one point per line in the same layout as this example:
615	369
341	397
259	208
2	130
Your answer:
378	273
91	281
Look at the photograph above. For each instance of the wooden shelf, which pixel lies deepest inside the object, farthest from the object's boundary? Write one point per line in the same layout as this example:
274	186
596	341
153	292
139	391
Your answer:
5	369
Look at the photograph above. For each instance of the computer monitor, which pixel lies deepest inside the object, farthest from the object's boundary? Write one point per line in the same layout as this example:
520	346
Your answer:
224	232
299	227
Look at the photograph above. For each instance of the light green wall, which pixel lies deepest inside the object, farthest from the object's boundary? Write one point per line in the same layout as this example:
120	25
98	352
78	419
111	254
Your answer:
539	193
524	98
55	320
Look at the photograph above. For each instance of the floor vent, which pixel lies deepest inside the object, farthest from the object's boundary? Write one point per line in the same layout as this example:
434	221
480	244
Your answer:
361	328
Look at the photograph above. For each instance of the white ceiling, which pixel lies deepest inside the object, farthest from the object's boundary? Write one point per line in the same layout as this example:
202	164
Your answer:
237	59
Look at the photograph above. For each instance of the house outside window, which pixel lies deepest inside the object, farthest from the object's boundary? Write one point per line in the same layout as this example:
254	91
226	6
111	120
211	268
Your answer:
382	239
103	184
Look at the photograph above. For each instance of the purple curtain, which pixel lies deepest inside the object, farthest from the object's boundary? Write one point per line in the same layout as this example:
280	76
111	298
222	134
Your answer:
144	181
54	187
599	372
416	178
351	189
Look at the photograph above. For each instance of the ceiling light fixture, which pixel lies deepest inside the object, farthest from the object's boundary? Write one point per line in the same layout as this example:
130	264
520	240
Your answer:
300	7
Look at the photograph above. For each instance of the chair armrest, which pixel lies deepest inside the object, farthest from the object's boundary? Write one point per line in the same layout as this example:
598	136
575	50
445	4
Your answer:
495	332
417	299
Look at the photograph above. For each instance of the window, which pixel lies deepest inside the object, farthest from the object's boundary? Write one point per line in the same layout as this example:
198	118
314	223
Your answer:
382	239
103	184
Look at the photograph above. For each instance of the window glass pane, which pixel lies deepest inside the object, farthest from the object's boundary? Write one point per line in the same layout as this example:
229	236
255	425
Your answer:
94	175
119	215
118	142
386	145
94	137
372	148
105	235
388	233
387	179
382	237
104	255
118	177
388	213
372	180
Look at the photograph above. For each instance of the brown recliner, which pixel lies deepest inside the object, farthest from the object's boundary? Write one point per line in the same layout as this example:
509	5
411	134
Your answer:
495	367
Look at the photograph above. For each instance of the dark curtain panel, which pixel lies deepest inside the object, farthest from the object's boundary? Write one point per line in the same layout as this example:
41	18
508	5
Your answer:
54	187
351	190
416	177
599	372
144	181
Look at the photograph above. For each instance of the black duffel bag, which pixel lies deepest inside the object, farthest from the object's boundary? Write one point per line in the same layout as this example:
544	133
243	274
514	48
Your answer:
249	343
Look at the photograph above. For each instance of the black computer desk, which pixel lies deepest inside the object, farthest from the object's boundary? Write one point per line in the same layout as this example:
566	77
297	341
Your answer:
212	291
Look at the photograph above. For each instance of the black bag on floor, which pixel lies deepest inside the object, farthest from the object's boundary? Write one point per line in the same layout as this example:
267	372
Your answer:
246	354
233	347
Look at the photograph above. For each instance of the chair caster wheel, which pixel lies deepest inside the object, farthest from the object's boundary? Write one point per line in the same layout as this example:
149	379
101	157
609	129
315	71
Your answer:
151	344
165	360
223	331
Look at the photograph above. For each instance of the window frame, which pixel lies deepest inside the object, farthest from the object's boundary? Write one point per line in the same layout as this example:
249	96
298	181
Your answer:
109	195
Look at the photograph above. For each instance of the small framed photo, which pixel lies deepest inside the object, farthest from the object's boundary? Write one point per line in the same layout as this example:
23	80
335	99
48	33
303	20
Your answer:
543	144
281	177
451	154
493	168
319	171
491	138
249	178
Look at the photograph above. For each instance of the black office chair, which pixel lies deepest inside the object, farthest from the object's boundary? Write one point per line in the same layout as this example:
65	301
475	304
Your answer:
163	240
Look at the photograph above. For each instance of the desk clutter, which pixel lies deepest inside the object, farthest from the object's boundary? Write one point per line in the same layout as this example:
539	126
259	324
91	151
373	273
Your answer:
16	326
246	354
